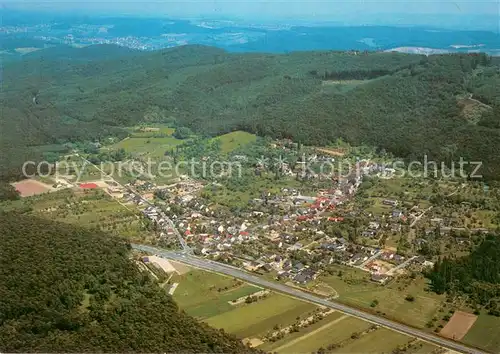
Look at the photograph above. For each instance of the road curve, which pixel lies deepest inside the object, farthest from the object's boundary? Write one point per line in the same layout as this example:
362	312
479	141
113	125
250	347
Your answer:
238	273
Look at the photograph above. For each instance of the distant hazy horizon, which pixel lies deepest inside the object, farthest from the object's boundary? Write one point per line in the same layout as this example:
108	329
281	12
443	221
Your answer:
445	14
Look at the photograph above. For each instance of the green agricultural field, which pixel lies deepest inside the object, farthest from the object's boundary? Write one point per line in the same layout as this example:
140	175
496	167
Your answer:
355	289
234	140
152	147
381	340
411	191
47	180
333	329
378	208
484	218
242	196
258	318
485	333
91	208
204	294
81	170
149	131
421	348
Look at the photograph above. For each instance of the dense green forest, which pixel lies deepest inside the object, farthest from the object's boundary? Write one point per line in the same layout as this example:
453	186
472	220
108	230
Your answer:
69	289
477	275
406	104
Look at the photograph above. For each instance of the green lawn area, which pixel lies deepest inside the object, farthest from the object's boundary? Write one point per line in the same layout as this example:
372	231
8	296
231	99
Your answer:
154	148
380	341
389	187
484	219
150	130
81	170
485	333
241	198
256	319
355	289
295	337
198	293
421	348
92	208
378	208
331	330
234	140
411	190
46	180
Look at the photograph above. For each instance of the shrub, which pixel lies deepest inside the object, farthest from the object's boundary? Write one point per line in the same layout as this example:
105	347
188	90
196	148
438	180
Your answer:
410	298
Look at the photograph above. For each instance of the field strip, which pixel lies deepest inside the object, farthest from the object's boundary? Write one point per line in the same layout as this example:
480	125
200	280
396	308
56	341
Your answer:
296	340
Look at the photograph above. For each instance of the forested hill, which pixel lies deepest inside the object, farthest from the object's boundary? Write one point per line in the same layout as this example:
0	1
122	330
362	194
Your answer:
410	105
68	289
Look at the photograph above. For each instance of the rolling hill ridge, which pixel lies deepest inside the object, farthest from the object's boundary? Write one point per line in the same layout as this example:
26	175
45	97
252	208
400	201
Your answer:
406	104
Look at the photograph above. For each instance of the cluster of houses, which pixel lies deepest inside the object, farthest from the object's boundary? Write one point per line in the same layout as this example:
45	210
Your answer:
348	253
285	268
184	214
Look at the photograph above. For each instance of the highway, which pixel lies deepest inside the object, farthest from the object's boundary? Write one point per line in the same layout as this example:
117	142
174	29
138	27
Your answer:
213	266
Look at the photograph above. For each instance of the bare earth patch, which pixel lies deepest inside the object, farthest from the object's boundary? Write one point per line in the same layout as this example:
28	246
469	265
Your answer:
162	263
459	325
252	342
333	152
472	109
180	268
100	183
30	187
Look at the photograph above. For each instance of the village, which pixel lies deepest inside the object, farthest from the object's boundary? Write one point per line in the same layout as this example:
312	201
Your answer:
293	232
367	238
274	243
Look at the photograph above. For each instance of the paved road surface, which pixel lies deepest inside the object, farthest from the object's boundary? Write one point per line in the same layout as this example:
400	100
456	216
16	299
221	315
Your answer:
238	273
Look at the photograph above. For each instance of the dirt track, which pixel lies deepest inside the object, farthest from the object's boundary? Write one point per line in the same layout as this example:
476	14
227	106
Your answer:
333	152
296	340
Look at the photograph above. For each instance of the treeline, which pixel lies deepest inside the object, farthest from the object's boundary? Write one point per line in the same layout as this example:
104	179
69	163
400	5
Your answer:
351	75
69	289
477	275
410	110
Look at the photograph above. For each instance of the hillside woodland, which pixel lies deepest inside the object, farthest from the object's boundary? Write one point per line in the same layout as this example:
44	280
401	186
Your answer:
70	289
410	105
476	275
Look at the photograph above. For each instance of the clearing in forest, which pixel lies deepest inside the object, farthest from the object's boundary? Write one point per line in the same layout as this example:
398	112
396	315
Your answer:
30	187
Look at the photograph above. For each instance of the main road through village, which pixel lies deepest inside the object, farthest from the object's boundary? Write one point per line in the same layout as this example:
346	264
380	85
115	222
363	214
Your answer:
235	272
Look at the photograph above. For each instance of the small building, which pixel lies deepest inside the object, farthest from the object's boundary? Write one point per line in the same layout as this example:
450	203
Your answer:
374	225
397	214
380	278
390	202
